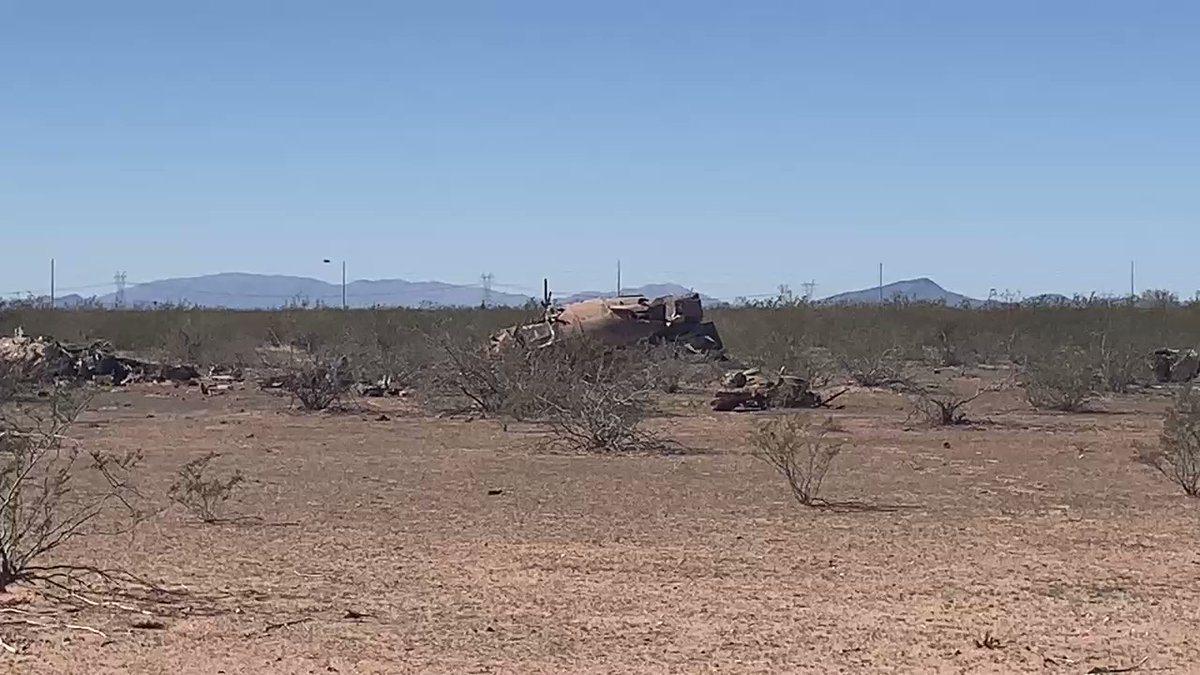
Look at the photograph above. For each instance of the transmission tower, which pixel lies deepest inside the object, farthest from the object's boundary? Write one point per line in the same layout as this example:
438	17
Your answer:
119	281
810	289
485	280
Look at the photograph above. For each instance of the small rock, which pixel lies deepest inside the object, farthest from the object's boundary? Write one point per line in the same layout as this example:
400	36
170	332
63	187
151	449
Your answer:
382	418
495	491
148	624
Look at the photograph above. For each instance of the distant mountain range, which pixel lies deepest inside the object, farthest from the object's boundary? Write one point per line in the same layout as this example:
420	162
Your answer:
649	290
912	290
236	290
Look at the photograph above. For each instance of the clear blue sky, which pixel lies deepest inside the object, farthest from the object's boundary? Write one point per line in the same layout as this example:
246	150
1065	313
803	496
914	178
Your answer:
733	147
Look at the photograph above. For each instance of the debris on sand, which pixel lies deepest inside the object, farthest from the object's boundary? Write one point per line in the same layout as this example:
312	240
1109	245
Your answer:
1176	365
752	389
43	358
620	321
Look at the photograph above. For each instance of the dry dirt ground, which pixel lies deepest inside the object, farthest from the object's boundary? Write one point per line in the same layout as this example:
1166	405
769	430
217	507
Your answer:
424	545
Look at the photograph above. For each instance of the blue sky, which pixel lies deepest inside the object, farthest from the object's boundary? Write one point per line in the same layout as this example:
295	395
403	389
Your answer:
732	147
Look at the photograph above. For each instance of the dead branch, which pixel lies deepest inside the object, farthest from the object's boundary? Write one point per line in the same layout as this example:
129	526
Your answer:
1120	669
285	624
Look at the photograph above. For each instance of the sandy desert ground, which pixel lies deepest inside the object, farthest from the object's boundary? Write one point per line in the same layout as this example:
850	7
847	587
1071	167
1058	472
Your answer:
419	544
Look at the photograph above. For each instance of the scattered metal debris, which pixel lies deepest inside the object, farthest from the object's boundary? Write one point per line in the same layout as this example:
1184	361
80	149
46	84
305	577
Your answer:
621	321
44	359
1176	365
754	390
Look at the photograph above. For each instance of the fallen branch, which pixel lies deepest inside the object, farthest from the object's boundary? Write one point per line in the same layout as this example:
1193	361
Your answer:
285	624
1119	669
39	624
825	403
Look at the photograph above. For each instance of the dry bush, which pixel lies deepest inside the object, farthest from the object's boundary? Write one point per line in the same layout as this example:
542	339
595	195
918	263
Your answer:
1178	454
491	383
1119	362
871	365
53	491
671	368
9	382
202	495
942	409
315	375
319	385
400	354
1062	381
795	356
801	451
593	398
945	350
600	414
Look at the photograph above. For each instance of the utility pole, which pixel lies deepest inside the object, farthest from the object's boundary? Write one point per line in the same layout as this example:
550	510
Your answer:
485	280
1132	288
881	283
119	281
328	261
52	283
618	277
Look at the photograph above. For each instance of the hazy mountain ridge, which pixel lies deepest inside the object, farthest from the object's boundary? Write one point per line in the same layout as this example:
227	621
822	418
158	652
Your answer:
648	290
240	290
921	289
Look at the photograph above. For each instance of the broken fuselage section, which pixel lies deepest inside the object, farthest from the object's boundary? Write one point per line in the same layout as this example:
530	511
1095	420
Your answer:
620	321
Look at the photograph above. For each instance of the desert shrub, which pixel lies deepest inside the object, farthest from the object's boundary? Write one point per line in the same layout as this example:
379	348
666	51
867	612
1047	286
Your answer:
794	355
947	408
1062	381
945	348
801	451
400	354
1119	362
941	410
870	364
319	384
9	382
599	414
1178	455
202	495
53	491
592	397
491	383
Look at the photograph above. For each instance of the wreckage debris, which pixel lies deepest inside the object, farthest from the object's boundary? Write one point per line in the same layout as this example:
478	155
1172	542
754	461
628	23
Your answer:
620	321
754	390
1176	365
42	359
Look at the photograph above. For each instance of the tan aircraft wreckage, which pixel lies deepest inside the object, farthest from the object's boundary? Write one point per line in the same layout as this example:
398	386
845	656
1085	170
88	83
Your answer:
621	321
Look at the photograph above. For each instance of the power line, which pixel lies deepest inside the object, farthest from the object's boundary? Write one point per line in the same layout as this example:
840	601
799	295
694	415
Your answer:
485	280
119	280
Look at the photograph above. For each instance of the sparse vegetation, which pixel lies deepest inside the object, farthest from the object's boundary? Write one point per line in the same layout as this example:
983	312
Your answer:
1178	454
53	490
203	495
331	484
801	451
1063	380
945	408
320	383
